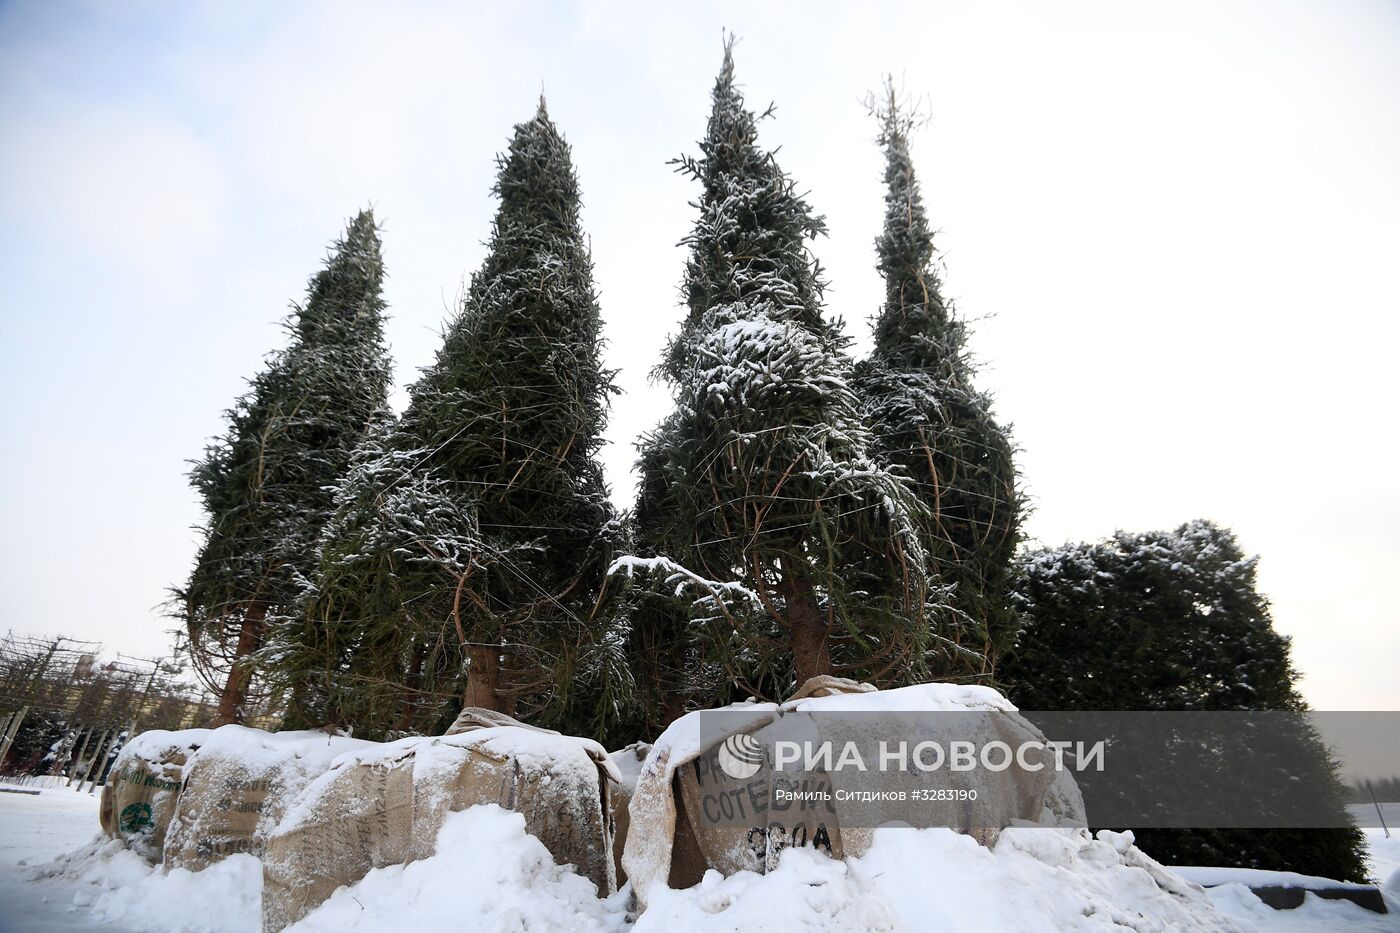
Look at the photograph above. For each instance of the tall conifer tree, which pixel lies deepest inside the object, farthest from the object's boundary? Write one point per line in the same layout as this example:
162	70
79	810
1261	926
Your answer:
798	553
266	483
930	422
496	459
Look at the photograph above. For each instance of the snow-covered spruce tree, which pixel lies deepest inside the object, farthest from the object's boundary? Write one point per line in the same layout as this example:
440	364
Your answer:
928	419
265	484
795	554
513	412
1170	621
375	645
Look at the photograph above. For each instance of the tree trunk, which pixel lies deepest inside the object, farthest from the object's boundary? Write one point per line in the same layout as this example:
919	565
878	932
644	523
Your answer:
483	677
236	687
672	707
414	681
673	692
807	630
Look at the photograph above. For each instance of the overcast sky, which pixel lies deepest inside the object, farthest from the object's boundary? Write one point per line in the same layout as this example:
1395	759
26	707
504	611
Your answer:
1176	225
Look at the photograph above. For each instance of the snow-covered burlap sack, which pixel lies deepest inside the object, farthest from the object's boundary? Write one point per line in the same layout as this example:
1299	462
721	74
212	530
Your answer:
629	766
385	807
238	785
357	816
143	788
476	717
669	841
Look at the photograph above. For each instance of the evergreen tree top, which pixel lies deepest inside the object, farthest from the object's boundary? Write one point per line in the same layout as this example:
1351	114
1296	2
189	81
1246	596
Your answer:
536	182
749	244
515	404
266	483
343	298
537	256
916	329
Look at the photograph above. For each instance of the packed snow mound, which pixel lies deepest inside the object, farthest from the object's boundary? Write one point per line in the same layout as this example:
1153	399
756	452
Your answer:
117	886
237	786
159	743
488	873
935	879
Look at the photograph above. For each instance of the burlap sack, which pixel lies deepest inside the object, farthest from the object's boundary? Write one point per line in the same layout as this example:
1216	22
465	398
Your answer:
370	811
237	787
143	788
825	685
755	837
629	766
359	816
476	717
676	832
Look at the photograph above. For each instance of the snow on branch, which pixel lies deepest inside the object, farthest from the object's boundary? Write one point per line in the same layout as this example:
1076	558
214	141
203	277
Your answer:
682	578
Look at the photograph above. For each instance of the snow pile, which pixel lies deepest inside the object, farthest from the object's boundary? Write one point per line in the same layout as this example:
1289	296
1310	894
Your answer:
1257	878
1034	880
115	885
1316	915
936	879
1384	852
488	874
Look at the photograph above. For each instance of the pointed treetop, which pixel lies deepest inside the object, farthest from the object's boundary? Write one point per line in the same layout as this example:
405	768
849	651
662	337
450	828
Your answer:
733	131
916	327
725	81
749	246
536	182
344	297
362	227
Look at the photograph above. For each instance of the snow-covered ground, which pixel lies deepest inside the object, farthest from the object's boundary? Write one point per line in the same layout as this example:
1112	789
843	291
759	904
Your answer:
491	875
35	829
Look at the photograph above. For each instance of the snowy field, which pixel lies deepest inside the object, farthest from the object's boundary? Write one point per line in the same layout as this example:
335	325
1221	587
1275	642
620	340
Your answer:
1035	881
